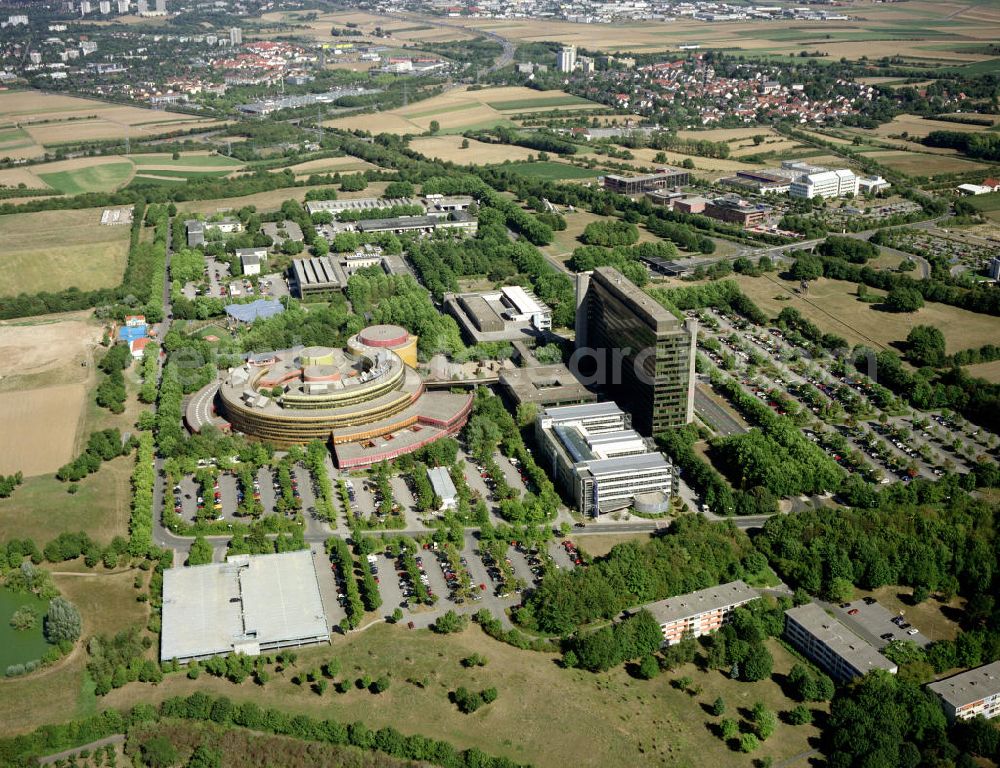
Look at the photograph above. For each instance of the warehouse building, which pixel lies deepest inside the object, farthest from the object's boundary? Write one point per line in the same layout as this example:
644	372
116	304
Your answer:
971	694
603	465
699	613
832	646
309	277
250	604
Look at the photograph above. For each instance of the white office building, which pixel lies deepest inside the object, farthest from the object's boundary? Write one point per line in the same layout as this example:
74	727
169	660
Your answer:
825	184
971	694
235	36
604	465
567	58
872	185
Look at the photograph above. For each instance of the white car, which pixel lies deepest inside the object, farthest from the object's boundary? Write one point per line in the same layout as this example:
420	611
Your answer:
912	631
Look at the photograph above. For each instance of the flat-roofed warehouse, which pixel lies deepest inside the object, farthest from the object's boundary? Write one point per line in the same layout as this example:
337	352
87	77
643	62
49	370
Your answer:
250	604
315	276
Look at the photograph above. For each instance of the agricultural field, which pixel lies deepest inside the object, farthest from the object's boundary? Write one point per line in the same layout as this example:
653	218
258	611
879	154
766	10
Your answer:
449	149
345	164
47	372
270	200
403	30
551	170
923	31
988	371
923	164
461	110
52	250
31	121
833	305
93	177
591	720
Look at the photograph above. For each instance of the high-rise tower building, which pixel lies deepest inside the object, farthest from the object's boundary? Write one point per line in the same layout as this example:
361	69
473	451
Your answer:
567	58
643	357
235	36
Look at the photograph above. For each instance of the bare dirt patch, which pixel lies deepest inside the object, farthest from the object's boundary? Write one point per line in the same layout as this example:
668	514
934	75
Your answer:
449	149
40	427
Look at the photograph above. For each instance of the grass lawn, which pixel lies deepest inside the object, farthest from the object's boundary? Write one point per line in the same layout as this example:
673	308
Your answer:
930	617
185	161
985	203
52	250
988	371
173	173
598	545
41	508
96	178
833	305
551	170
589	720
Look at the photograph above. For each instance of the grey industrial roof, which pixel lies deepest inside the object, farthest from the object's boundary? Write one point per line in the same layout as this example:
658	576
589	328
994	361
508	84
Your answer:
545	383
399	222
260	308
694	603
619	464
315	272
251	600
838	638
444	488
582	411
969	687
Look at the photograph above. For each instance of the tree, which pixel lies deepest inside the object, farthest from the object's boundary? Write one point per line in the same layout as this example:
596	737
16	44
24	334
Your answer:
807	268
730	729
62	621
925	345
449	623
764	721
465	143
904	299
200	552
757	665
205	757
24	618
719	707
434	127
648	668
800	715
748	743
159	752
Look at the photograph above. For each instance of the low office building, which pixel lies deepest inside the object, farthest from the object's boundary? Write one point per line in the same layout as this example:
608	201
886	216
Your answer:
699	613
872	185
971	694
832	646
503	315
761	182
690	204
825	184
199	231
309	277
251	259
544	385
250	604
634	185
603	464
443	487
459	220
735	210
358	204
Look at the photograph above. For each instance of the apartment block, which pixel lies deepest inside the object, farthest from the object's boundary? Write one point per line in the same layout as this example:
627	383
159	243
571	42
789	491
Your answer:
832	646
700	613
971	694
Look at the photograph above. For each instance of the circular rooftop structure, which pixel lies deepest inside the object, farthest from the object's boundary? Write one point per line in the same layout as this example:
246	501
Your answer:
386	336
392	337
318	356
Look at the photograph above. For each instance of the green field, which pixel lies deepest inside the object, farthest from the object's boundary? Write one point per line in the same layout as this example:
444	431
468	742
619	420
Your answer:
17	647
558	101
985	203
185	161
178	174
552	171
96	178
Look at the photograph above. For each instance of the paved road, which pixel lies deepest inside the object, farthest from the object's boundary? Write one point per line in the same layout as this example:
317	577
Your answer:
715	415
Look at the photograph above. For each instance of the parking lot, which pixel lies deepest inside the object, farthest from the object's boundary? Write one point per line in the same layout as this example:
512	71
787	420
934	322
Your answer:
874	623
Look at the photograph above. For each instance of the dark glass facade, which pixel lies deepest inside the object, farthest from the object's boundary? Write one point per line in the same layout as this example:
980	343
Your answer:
643	353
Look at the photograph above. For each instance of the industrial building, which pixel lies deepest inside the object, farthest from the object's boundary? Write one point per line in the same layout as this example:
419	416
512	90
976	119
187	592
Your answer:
460	220
699	613
602	464
250	604
502	315
825	184
310	277
370	404
642	356
975	693
358	204
832	646
634	185
760	182
544	385
443	487
198	231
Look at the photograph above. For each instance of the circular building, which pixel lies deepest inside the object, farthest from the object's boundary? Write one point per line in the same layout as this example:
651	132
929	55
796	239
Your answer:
365	400
391	337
